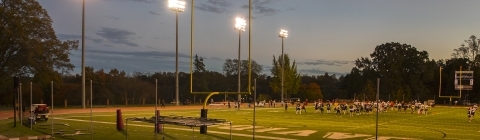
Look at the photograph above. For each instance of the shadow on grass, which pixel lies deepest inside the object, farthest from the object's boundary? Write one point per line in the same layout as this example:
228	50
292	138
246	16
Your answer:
123	132
11	127
215	136
165	135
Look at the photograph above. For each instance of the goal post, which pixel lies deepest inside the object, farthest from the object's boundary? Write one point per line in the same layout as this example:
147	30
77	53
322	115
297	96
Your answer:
463	81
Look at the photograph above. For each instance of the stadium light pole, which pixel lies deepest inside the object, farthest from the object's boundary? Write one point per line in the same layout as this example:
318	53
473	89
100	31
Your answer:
283	34
240	24
177	6
83	54
440	84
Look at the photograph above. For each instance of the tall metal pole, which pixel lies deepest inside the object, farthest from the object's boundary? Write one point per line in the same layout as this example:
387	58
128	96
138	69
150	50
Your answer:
51	98
126	128
283	67
20	104
176	58
31	127
83	54
440	84
254	106
239	69
376	123
15	93
156	104
191	49
460	86
249	43
91	113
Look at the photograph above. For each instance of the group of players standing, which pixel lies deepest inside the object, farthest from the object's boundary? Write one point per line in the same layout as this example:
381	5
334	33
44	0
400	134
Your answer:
364	107
367	107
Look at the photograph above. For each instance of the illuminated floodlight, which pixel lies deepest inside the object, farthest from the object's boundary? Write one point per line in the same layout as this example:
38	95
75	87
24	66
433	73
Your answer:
176	5
240	24
283	34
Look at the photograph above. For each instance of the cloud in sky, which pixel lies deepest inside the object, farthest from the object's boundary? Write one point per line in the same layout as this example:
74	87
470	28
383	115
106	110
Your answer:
78	37
137	61
145	1
153	13
314	71
216	59
113	17
68	37
261	7
214	6
327	62
117	36
144	54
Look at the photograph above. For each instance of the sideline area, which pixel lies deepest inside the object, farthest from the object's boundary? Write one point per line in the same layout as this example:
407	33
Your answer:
8	114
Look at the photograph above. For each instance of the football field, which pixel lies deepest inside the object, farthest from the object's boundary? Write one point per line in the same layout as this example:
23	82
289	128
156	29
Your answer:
271	123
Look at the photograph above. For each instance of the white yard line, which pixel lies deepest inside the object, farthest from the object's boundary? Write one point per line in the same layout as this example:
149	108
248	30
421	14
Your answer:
210	131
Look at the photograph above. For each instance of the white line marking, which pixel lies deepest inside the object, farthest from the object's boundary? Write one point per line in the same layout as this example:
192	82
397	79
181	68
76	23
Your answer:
216	132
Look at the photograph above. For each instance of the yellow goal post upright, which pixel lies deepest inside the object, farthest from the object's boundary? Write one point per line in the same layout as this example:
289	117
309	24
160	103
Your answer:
191	60
463	81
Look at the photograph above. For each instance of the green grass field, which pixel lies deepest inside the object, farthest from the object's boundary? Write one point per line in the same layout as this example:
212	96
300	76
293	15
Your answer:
272	123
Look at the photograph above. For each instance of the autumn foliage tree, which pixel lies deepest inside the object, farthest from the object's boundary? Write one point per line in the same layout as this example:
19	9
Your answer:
312	91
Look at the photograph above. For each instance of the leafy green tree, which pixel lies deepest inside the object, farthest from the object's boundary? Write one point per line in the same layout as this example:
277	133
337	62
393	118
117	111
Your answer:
28	43
199	75
402	94
469	51
43	81
264	97
352	83
369	91
291	79
399	65
230	69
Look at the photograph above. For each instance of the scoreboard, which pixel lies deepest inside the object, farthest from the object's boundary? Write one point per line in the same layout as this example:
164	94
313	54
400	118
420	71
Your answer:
463	80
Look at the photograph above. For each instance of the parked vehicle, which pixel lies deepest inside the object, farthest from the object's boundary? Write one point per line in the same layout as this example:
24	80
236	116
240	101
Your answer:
40	112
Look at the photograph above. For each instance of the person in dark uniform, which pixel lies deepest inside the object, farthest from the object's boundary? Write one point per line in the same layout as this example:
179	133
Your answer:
343	106
368	108
303	107
329	107
286	107
351	109
163	103
405	106
469	113
23	108
297	109
321	107
228	103
474	108
337	110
